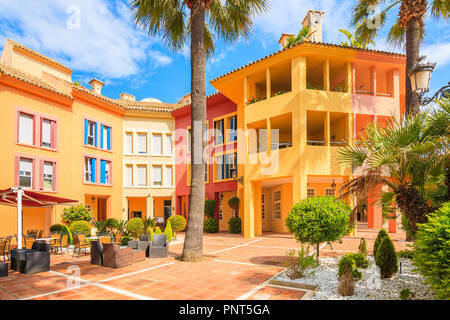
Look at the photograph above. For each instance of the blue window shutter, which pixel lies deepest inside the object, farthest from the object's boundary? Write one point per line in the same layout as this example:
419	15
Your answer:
108	132
102	171
101	136
93	169
86	129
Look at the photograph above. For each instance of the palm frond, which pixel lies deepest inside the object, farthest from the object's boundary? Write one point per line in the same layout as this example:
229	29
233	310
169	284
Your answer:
440	9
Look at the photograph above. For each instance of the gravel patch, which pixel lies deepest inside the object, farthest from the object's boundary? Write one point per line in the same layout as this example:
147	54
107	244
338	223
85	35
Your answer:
370	287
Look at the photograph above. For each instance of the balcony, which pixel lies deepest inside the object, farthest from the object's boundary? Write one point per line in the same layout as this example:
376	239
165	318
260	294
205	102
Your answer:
327	128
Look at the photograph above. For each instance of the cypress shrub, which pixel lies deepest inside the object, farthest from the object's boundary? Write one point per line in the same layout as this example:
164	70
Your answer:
157	231
386	258
380	237
168	231
150	233
235	225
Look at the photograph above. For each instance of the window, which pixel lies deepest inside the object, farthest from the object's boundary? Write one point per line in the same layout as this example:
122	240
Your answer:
105	172
105	137
129	143
26	128
142	143
225	164
232	124
47	133
168	144
156	175
218	132
129	176
263	206
48	175
26	173
156	144
89	169
276	205
169	179
141	175
310	193
330	192
90	133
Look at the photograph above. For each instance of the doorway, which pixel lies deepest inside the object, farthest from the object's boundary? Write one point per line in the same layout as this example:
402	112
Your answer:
167	209
101	209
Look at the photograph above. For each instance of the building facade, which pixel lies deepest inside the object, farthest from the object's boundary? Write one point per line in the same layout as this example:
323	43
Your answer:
295	109
220	183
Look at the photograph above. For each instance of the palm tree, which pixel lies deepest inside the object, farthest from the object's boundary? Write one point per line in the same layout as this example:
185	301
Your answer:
353	40
303	34
180	20
408	29
410	156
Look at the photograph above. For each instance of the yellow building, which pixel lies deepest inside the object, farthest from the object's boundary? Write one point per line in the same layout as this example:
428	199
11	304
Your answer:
58	138
148	161
295	109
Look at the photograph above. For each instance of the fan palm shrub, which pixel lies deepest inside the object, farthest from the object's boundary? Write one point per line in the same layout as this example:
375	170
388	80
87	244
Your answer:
180	21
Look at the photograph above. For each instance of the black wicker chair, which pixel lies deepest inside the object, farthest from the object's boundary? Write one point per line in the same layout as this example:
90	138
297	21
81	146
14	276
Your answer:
31	261
159	247
96	253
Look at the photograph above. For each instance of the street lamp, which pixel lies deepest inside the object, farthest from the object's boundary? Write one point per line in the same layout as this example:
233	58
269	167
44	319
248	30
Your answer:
420	76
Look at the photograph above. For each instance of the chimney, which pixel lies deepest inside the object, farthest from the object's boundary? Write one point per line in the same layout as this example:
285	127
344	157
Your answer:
283	39
96	86
127	97
313	20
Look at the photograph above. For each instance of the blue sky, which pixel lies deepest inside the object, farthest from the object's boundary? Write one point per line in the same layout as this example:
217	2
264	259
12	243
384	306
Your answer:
107	45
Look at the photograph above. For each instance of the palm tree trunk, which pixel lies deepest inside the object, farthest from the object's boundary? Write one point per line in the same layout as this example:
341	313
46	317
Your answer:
193	244
412	57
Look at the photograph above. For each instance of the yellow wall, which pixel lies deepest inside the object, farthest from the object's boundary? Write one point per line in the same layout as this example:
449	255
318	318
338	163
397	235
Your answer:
227	212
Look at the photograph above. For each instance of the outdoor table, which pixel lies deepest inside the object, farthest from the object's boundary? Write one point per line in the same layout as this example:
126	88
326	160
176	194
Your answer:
44	239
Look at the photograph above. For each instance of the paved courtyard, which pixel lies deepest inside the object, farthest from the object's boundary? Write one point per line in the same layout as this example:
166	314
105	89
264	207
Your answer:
233	268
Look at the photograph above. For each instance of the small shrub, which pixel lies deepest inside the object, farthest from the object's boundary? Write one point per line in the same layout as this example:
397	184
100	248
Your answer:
432	251
357	275
56	228
362	248
210	225
81	227
178	223
407	294
360	260
345	265
235	225
319	219
386	258
380	237
405	254
135	227
296	267
168	231
112	223
158	230
350	262
80	212
346	284
210	208
124	240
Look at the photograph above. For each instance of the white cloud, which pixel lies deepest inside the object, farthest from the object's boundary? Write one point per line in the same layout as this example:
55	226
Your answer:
438	52
107	42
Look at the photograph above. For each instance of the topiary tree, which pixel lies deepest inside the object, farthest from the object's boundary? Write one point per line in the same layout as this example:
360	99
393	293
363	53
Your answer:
81	227
158	230
168	231
362	248
432	251
135	227
386	258
235	225
56	228
319	219
233	203
210	225
210	208
381	234
178	223
79	212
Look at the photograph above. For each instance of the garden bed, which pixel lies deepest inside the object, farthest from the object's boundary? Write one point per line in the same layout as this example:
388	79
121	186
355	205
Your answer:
370	287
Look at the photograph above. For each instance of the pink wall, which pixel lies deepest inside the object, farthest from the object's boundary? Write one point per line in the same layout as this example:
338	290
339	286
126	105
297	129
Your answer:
217	105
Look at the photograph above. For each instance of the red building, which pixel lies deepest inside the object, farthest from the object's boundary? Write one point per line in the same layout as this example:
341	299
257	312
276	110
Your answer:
220	185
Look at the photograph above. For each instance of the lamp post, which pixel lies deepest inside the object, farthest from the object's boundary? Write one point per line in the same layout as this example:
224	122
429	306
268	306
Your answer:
420	76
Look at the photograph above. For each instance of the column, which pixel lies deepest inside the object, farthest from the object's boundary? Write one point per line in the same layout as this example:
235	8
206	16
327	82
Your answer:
125	209
268	84
326	127
245	91
373	80
149	207
326	75
257	208
249	211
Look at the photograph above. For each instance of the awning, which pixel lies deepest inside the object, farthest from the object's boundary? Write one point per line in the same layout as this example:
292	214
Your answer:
31	199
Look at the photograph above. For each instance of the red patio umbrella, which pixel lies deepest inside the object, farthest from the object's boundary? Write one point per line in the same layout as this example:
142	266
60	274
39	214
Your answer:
17	197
